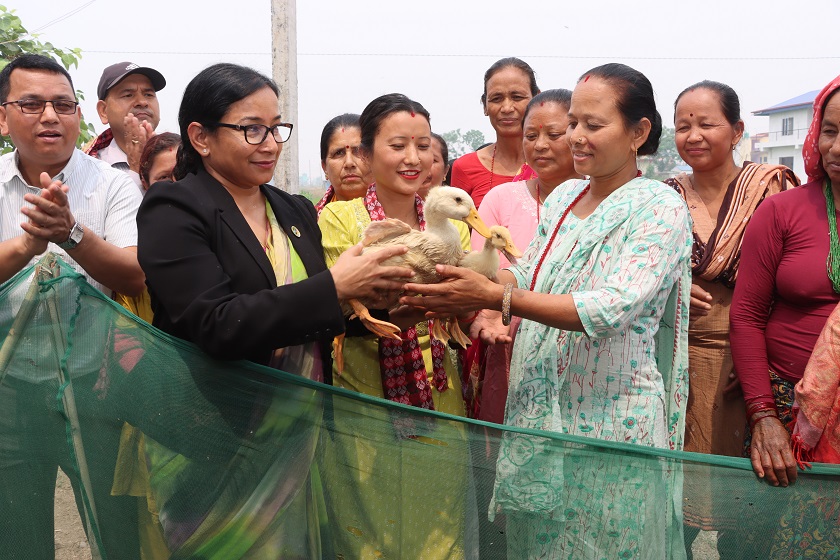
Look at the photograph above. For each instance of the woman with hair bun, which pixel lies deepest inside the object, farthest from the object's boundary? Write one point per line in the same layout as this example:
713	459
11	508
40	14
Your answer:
721	198
236	267
601	351
372	489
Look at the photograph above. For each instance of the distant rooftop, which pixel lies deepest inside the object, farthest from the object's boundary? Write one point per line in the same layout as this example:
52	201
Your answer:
804	100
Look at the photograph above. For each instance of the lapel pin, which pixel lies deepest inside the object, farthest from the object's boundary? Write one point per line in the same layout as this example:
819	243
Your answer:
296	231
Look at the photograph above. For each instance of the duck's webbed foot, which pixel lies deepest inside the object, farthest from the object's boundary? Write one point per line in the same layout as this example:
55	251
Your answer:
440	331
457	334
338	351
377	327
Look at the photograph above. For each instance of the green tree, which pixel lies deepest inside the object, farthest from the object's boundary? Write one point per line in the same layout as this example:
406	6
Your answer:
460	144
15	40
661	164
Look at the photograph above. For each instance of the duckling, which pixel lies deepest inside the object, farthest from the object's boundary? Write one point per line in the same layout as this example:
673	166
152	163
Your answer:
440	243
486	263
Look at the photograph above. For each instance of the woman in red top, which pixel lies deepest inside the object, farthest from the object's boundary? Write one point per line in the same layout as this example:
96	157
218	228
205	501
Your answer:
508	86
787	288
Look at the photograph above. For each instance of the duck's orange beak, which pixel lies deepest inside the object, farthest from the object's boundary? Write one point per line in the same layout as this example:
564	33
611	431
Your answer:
475	222
511	253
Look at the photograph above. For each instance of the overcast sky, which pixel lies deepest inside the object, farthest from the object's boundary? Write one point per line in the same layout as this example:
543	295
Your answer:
436	51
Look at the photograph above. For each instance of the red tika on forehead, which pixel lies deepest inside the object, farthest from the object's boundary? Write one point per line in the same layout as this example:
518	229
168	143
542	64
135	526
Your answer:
412	113
586	79
342	129
542	103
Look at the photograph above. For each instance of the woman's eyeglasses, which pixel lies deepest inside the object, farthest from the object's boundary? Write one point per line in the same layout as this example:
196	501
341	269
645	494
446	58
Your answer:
257	133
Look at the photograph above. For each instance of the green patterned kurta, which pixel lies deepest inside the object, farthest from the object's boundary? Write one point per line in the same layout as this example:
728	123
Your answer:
624	379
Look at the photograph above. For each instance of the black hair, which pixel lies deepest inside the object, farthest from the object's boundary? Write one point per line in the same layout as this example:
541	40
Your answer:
154	146
635	100
827	99
559	96
730	105
207	98
347	120
444	149
382	107
510	62
30	62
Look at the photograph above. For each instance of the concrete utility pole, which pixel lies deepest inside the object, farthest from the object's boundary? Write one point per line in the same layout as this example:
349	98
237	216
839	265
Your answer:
284	70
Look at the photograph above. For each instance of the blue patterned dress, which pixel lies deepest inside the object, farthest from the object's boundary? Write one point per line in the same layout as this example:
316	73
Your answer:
624	379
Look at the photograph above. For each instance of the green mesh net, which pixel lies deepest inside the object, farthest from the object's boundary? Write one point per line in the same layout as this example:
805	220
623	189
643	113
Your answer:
175	455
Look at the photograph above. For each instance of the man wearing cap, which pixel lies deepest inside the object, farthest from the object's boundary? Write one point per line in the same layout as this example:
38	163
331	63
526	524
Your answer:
128	103
55	198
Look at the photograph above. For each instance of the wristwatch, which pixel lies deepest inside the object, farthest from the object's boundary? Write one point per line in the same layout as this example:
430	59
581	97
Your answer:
76	234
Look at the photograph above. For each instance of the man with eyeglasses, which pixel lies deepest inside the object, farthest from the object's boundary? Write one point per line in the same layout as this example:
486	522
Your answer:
54	197
128	103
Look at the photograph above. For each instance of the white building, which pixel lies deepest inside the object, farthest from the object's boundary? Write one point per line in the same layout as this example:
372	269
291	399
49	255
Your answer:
789	122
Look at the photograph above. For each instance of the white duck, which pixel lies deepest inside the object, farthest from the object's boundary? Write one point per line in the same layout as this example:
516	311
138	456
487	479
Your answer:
440	243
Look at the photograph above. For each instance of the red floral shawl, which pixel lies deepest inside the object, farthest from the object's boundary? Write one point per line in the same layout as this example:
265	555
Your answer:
404	376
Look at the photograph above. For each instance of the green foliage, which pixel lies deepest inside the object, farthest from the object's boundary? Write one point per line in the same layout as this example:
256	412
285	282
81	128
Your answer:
460	144
661	165
15	40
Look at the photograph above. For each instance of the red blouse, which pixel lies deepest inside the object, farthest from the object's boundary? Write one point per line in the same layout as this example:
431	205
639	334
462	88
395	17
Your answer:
783	296
469	173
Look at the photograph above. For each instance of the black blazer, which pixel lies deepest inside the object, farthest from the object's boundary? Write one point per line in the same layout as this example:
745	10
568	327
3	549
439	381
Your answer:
212	284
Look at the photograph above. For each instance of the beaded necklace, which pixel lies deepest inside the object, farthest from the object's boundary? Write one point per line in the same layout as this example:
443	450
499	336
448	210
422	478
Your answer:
833	261
563	218
493	164
554	234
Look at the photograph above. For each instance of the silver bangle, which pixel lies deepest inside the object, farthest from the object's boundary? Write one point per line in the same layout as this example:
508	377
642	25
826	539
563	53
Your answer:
506	304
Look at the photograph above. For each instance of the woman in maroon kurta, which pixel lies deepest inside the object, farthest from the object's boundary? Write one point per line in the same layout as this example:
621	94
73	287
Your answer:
509	84
784	297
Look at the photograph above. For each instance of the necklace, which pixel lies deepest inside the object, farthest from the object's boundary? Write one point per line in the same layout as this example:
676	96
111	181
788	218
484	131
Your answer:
493	164
833	261
554	234
267	234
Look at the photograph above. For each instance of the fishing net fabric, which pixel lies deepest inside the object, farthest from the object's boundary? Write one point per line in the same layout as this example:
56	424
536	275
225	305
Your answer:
175	455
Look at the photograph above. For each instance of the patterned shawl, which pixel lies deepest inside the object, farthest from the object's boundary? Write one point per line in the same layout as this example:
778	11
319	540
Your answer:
716	251
329	196
404	376
102	141
810	149
816	435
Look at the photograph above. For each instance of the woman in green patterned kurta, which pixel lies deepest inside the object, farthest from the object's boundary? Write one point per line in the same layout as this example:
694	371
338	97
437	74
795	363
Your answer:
602	350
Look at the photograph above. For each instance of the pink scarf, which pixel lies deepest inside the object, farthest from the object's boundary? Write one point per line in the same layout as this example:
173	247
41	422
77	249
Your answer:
404	377
811	149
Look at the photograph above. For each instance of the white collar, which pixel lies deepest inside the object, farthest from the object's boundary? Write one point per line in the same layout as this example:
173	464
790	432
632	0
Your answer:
7	173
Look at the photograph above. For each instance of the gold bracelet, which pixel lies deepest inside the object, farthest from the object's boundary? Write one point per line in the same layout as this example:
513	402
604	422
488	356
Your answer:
506	304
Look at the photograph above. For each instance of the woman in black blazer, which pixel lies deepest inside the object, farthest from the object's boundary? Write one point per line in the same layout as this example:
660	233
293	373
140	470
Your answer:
236	267
203	240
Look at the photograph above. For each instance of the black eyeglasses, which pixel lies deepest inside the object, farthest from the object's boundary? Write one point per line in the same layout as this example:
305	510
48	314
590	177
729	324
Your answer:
37	106
257	133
